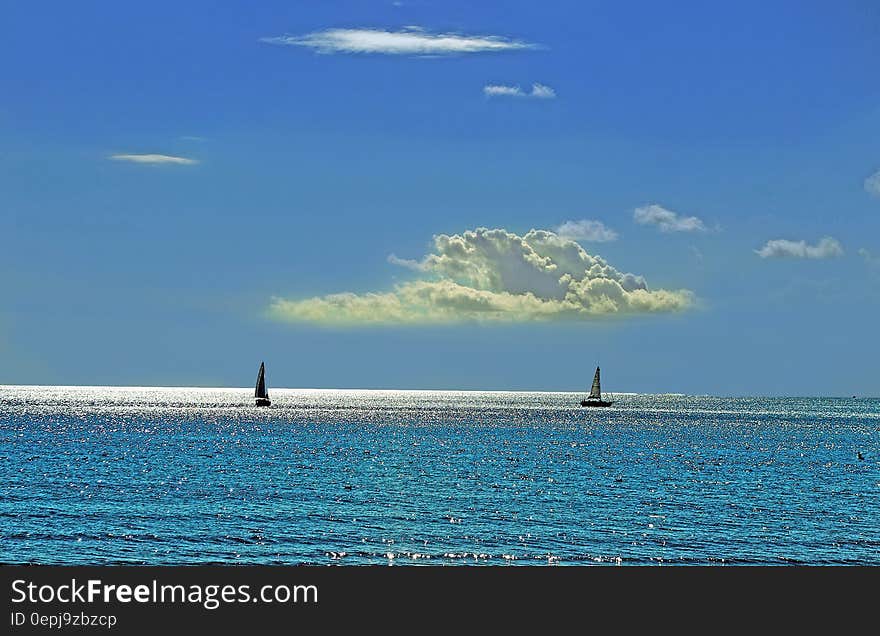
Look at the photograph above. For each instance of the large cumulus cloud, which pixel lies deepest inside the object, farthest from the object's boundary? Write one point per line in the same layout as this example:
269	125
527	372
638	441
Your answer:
494	275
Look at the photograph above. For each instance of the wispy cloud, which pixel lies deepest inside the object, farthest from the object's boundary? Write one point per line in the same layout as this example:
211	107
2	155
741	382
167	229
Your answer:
538	91
870	257
667	220
586	230
494	276
407	41
872	184
154	159
827	247
409	263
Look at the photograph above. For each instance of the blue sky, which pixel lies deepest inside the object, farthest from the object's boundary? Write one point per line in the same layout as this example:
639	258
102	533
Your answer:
312	163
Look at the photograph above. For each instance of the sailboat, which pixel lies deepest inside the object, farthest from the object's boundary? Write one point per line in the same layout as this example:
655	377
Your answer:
260	393
595	396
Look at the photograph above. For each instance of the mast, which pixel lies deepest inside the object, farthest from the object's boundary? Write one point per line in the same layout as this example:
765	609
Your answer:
596	390
260	391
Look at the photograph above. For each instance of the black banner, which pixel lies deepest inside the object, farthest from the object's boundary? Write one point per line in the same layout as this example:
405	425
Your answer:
394	599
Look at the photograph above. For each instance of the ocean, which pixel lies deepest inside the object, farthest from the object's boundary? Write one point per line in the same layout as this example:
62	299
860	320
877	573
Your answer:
191	476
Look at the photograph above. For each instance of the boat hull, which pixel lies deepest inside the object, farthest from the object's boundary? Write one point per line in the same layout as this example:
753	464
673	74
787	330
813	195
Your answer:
263	402
589	403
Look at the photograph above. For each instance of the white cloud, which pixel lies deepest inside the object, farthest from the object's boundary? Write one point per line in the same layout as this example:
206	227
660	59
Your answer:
408	41
154	159
667	220
827	247
542	91
539	91
872	184
494	275
586	230
869	257
495	90
409	263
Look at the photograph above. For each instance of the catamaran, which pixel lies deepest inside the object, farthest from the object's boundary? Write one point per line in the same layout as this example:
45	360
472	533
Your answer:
595	396
260	393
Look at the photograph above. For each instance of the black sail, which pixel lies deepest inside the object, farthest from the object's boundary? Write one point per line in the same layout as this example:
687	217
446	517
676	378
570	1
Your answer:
261	391
596	390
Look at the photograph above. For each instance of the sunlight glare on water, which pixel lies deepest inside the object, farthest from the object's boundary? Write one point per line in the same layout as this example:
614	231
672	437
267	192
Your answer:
95	475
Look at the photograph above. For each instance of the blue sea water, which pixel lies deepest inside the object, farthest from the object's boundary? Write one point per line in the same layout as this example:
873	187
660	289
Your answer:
186	476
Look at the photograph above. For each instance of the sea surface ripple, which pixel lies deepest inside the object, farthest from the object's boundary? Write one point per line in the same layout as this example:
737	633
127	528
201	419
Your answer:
94	475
